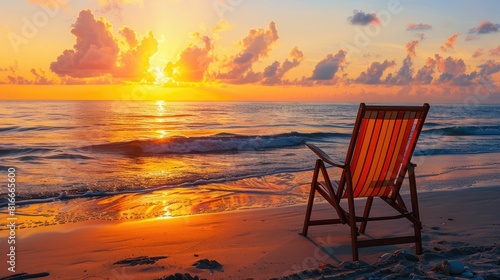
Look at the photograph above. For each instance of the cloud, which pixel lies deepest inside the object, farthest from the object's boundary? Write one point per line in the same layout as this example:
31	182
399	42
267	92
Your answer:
420	36
424	74
40	78
453	71
222	25
13	78
489	68
256	45
495	51
96	52
470	38
374	72
450	42
193	61
449	65
129	35
485	27
329	66
361	18
273	74
134	63
410	48
404	75
418	26
479	52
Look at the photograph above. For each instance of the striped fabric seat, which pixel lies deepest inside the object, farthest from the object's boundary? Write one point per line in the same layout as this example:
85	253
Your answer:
376	163
385	142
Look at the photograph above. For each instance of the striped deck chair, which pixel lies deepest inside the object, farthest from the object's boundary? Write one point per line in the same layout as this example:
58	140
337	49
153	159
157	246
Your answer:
377	161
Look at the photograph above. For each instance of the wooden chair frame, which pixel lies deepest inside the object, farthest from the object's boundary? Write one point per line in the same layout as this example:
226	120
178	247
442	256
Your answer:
400	126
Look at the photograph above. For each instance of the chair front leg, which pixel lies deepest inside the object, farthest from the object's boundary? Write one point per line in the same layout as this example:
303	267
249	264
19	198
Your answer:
311	198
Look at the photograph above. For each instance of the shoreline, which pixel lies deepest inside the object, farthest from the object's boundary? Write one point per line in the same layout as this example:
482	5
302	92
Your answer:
434	173
249	243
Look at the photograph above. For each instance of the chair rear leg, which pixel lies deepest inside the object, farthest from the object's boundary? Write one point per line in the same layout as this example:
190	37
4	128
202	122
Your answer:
366	213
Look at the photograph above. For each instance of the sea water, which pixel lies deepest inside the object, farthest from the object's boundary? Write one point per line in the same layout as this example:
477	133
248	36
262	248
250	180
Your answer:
68	149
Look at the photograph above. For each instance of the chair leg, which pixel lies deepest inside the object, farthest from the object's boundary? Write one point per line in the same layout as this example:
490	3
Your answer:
417	227
352	218
311	198
366	213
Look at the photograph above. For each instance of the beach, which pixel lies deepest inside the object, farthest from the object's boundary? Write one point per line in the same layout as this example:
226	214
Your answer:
220	192
263	243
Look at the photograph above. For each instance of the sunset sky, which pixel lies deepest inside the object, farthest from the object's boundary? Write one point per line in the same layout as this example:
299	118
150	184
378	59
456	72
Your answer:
342	51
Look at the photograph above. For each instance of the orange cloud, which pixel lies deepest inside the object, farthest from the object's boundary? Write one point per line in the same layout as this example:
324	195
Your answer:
39	77
134	63
495	51
479	52
374	72
193	61
418	26
257	44
273	74
129	35
404	75
96	52
424	74
327	68
450	42
410	48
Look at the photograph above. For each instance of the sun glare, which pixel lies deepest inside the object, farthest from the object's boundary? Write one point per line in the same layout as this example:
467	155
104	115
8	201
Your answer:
162	134
160	104
159	76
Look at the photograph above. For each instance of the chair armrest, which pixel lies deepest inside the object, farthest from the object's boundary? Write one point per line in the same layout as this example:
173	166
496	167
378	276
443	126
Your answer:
323	156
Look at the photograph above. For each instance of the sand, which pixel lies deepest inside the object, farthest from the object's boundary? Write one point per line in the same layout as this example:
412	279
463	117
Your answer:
459	226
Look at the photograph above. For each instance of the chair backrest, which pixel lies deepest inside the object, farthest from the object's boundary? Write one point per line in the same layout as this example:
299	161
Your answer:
382	143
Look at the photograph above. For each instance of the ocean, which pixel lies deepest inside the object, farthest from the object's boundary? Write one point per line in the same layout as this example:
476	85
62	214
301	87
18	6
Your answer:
91	149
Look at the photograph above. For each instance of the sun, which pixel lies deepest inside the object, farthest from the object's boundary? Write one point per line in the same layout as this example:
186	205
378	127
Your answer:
158	74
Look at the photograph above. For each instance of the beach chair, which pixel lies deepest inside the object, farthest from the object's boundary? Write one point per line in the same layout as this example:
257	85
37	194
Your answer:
377	161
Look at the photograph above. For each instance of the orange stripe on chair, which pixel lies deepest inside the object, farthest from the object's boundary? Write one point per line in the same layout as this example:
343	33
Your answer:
369	184
377	179
375	124
395	126
363	153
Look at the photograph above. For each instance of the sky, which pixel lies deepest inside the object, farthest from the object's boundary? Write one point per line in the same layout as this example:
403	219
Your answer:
242	50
